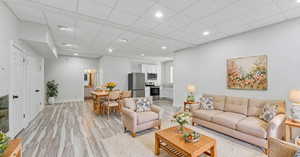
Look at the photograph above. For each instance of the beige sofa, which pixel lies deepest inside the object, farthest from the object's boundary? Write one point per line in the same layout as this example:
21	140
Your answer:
238	117
139	121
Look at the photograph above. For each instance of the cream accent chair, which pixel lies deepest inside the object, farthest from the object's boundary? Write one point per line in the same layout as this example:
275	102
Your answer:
139	121
279	148
238	117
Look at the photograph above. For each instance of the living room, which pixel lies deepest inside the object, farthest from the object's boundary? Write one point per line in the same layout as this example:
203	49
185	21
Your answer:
149	78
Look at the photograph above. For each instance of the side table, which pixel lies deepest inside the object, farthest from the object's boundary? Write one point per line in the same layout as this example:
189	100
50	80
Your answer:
14	149
186	106
289	124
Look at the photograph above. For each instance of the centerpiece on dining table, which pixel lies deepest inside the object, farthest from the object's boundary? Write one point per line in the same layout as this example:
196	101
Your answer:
110	85
182	118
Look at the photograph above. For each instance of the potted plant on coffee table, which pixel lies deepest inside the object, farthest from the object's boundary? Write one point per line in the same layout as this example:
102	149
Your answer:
4	140
182	118
52	91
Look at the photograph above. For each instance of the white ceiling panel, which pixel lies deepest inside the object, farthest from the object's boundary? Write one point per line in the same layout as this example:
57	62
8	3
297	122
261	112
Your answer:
135	7
110	3
287	4
93	9
100	24
177	5
61	4
28	14
122	17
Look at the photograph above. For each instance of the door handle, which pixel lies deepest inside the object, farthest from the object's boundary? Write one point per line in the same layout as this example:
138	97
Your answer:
37	90
15	97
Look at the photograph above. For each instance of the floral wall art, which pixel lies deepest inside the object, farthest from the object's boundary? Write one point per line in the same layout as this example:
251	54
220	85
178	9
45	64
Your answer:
247	73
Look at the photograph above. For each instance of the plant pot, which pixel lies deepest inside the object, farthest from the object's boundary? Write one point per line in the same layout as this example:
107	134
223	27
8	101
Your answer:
51	100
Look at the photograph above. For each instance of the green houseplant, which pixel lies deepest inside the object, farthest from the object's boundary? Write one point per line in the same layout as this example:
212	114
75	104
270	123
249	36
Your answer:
4	140
182	118
52	91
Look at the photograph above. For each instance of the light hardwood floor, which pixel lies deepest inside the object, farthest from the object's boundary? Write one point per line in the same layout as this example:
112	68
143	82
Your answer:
73	130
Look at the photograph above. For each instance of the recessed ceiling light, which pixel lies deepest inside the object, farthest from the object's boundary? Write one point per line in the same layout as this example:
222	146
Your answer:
205	33
142	54
110	50
75	54
123	40
164	47
65	28
67	44
159	14
298	1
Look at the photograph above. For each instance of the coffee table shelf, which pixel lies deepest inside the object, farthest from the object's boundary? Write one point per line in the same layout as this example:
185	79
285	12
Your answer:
173	143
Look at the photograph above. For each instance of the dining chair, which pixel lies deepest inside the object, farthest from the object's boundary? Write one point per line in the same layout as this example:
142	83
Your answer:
112	102
124	95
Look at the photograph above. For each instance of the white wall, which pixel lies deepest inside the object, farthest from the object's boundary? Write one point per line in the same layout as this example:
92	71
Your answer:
8	31
117	68
205	66
68	72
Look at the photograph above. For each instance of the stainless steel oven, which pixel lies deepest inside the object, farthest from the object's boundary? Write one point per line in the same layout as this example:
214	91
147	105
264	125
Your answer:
155	92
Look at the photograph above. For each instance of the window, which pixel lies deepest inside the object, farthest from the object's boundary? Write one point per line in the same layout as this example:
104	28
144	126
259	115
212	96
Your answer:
171	74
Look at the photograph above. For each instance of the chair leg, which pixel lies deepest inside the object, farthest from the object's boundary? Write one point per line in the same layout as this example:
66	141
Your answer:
108	110
159	127
133	134
125	129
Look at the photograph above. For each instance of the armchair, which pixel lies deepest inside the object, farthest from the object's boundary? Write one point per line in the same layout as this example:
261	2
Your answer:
139	121
278	148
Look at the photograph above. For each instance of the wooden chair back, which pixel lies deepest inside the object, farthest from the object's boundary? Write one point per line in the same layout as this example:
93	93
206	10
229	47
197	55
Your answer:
126	94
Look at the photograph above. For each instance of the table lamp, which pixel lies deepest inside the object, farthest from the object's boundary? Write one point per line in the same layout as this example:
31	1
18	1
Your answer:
191	90
294	97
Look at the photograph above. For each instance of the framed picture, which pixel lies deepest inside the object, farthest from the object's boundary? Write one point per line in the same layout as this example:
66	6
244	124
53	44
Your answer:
247	73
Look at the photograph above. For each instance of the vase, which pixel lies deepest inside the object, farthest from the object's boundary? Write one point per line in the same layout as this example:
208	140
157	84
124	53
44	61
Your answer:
51	100
180	129
110	89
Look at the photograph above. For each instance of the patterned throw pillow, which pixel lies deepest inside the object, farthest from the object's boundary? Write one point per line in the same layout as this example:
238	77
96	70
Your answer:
206	103
269	112
143	105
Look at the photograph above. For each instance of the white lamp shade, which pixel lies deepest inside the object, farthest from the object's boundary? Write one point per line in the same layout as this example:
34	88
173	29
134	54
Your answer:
191	88
294	96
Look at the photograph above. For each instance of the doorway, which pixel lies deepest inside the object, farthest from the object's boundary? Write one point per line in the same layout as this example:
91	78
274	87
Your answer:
90	82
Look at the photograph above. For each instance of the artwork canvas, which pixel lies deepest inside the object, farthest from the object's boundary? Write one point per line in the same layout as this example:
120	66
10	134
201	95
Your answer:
247	73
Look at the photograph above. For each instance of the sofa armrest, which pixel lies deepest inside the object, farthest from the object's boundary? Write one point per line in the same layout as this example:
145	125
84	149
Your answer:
157	110
279	148
194	107
129	113
276	126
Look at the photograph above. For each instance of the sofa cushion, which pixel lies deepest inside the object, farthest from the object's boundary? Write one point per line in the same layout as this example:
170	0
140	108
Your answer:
236	105
218	101
205	114
255	107
253	126
144	117
228	119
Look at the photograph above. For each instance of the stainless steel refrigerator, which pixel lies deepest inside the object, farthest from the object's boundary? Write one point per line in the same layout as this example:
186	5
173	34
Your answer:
136	83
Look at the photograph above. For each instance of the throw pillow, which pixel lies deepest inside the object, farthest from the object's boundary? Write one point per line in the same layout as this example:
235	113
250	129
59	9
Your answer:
143	105
269	112
206	103
129	103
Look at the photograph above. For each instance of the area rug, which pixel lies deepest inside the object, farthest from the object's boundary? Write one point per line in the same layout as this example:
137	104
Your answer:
143	145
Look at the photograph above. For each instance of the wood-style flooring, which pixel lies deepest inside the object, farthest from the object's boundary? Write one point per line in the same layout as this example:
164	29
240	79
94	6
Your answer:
73	130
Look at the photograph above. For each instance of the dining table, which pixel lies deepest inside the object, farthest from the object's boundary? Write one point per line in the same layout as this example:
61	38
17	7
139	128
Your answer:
97	96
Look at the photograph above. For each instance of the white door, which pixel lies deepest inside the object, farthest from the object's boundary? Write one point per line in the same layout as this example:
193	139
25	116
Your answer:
17	94
34	89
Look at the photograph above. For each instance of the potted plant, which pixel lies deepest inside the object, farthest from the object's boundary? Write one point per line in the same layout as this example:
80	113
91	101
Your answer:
52	91
4	140
182	119
110	85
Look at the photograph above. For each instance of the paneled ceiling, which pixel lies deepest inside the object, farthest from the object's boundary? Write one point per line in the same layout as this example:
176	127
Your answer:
131	28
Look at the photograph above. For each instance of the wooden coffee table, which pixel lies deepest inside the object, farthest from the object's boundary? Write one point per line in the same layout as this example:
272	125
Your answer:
173	143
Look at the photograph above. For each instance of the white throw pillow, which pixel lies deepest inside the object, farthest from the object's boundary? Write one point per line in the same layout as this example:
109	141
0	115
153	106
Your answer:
206	103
